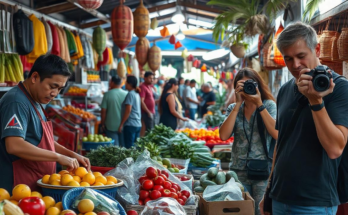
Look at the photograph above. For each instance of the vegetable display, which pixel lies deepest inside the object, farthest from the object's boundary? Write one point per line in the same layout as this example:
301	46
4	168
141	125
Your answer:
209	136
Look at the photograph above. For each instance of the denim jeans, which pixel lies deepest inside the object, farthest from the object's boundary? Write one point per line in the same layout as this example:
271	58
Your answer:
130	134
284	209
192	113
118	137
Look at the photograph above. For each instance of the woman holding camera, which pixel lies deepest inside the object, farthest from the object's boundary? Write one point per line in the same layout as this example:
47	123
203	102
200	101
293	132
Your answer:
255	108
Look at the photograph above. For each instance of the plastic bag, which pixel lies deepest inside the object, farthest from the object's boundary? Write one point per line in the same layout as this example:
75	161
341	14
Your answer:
130	173
101	202
163	206
179	137
188	124
227	192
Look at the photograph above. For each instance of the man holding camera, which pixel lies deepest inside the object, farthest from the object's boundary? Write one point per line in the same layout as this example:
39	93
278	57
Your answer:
309	146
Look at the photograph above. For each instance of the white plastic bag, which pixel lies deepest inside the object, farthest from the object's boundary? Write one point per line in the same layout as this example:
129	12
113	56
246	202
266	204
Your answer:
188	124
226	192
163	206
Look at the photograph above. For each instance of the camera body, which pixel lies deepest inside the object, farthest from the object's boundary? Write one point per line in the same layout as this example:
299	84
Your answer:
250	87
321	78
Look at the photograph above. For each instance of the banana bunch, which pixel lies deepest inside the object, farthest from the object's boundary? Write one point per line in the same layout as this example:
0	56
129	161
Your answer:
11	68
8	208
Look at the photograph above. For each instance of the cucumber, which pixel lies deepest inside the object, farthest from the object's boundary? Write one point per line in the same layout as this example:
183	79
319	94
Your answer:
199	189
196	184
203	178
220	178
206	183
231	174
212	172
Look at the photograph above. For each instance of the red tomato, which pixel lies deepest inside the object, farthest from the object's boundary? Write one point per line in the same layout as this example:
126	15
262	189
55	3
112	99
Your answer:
155	194
151	172
142	179
146	200
32	206
164	177
143	194
185	193
148	185
167	185
158	171
173	190
176	186
165	173
140	202
158	180
184	198
158	187
181	201
179	194
174	195
132	212
166	193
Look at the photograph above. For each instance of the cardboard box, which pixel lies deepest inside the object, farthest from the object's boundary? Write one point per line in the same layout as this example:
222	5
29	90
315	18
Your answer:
245	207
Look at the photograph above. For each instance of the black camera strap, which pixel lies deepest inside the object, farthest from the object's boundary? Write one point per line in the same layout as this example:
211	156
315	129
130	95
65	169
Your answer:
251	130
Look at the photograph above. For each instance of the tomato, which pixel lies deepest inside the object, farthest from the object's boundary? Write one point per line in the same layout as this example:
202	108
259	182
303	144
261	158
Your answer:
146	200
140	202
181	201
148	185
143	194
132	212
174	195
179	194
173	190
142	179
165	173
158	180
151	172
184	198
185	193
155	194
176	186
167	185
166	193
32	206
184	178
158	187
164	177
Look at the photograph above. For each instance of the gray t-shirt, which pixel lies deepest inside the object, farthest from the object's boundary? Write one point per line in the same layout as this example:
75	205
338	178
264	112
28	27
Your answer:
134	118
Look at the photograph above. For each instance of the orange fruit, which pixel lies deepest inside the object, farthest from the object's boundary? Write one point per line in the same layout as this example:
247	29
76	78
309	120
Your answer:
85	206
84	184
111	178
101	179
109	183
55	182
55	177
90	213
4	194
96	174
73	184
63	172
59	206
89	178
37	194
98	184
46	179
81	171
21	191
77	178
70	212
52	211
66	179
14	202
49	201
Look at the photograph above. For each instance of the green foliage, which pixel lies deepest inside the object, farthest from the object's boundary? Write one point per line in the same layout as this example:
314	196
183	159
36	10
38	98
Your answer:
311	7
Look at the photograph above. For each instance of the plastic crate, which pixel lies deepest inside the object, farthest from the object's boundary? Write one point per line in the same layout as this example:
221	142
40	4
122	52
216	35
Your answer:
57	192
93	145
70	196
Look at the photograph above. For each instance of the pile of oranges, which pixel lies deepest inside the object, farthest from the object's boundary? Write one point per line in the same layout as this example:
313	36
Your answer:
76	91
80	178
79	112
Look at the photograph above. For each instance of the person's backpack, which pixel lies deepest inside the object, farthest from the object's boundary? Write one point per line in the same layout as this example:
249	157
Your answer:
24	33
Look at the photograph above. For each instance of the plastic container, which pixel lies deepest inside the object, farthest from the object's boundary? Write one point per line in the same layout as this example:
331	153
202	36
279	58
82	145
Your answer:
182	162
100	169
93	145
70	196
188	182
57	192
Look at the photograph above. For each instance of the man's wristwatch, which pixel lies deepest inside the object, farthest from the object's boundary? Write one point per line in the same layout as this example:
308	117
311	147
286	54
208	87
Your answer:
317	107
261	108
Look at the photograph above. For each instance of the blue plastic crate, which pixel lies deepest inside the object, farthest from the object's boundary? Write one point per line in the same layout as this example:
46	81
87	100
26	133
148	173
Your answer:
93	145
70	196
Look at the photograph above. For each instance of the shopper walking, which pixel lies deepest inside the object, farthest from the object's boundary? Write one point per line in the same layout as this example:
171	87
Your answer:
208	98
147	101
192	100
111	110
131	113
248	151
306	165
168	106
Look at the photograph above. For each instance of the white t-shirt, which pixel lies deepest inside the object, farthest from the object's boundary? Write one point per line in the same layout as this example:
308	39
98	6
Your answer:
191	93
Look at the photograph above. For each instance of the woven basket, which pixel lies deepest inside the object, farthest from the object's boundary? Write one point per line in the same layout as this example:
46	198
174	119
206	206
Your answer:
326	45
342	45
268	60
334	50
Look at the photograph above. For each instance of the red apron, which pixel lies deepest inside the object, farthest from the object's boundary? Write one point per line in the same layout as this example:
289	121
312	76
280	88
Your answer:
28	172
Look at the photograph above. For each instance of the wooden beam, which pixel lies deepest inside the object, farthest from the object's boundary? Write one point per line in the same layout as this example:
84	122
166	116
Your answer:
161	7
92	24
57	8
200	7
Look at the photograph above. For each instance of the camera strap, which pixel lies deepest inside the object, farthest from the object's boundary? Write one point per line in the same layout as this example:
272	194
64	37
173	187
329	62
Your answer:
251	130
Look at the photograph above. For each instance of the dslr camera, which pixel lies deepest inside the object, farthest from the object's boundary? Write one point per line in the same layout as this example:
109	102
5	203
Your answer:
321	78
250	87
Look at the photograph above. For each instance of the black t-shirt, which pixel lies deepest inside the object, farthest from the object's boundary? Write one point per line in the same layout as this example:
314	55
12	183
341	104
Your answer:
207	97
304	174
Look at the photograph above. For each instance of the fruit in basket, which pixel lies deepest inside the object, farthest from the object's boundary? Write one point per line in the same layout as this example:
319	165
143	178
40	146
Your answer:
46	179
55	182
155	194
36	194
59	205
89	178
55	177
166	162
67	212
103	213
21	191
111	178
49	201
4	194
9	208
73	184
84	184
147	184
98	184
85	206
32	206
77	179
90	213
101	179
63	172
151	172
53	211
81	171
96	174
79	112
66	179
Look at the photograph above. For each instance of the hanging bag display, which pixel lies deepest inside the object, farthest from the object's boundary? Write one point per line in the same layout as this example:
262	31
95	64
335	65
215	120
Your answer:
278	57
342	42
267	53
326	43
334	50
24	33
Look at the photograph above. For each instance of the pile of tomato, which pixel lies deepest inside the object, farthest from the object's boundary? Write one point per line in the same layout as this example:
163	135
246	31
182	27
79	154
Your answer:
209	136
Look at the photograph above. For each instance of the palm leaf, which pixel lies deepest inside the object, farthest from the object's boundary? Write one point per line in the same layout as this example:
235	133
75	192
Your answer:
310	9
272	7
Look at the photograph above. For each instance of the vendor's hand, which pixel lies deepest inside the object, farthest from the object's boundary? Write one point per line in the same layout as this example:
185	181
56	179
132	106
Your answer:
120	129
185	119
82	160
256	99
305	86
239	90
150	115
71	163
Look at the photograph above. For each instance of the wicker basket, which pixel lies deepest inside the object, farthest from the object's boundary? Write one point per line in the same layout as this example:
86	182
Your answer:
268	60
342	45
334	50
326	45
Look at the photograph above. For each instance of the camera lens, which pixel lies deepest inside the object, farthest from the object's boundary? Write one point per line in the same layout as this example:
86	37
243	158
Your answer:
249	88
321	83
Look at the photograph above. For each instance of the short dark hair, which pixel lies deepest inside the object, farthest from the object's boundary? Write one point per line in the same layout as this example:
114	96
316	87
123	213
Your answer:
181	78
132	80
187	81
147	74
193	81
116	80
48	65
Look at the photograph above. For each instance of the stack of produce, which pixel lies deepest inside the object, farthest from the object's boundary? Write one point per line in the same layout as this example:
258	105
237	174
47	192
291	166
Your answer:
11	68
93	77
83	114
96	138
214	177
76	91
111	156
209	136
173	168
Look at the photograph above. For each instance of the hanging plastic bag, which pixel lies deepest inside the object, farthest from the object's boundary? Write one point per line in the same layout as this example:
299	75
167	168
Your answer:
163	206
227	192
